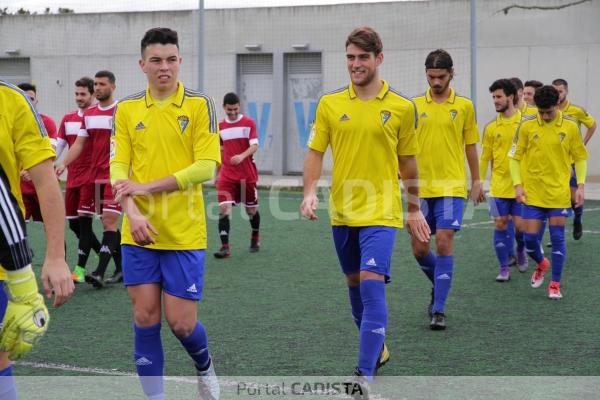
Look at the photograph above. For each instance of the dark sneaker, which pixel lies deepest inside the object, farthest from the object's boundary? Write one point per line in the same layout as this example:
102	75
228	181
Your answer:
224	252
254	246
357	386
116	278
577	230
95	279
438	322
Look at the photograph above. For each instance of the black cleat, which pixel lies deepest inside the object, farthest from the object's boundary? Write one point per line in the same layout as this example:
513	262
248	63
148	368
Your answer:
430	307
577	230
438	322
254	246
224	252
95	279
116	278
357	386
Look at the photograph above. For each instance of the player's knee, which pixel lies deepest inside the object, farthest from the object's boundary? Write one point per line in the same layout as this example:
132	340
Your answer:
4	361
444	245
353	279
251	211
182	328
501	223
224	209
420	251
145	317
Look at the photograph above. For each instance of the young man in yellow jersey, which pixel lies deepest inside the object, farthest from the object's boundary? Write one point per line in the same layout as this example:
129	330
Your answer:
371	130
529	88
550	142
24	144
165	143
580	115
447	133
498	136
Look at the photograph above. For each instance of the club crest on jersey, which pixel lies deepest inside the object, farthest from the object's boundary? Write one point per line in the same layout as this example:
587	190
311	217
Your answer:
385	116
453	114
183	122
562	136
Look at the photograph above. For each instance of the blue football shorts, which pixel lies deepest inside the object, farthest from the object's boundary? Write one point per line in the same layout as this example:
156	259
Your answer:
541	213
443	212
501	207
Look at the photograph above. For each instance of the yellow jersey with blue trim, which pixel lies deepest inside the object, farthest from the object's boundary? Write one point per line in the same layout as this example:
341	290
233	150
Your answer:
444	130
366	139
498	137
24	143
157	140
579	114
549	147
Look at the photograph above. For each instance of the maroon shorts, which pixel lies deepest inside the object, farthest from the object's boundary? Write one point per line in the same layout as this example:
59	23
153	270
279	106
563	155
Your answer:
98	198
73	201
237	193
32	207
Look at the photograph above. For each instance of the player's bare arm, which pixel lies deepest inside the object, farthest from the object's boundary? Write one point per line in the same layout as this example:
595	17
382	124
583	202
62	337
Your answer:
313	163
238	158
73	154
56	275
415	221
476	194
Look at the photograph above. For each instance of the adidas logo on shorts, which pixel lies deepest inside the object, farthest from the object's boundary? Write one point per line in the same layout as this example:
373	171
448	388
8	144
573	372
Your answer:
192	289
371	262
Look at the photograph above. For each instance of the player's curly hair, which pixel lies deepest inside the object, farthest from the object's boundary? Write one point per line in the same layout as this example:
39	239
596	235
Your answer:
86	82
365	38
546	97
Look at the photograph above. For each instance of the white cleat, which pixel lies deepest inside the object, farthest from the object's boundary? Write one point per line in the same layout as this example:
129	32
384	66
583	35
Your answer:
208	384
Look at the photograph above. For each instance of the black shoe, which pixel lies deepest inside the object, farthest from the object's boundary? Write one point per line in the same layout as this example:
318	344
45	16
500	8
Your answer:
430	307
224	252
357	386
95	279
577	230
438	322
116	278
549	245
254	246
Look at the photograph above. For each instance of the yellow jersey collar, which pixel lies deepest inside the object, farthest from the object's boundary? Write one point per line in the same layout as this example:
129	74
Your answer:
567	105
385	88
177	100
514	119
451	99
558	120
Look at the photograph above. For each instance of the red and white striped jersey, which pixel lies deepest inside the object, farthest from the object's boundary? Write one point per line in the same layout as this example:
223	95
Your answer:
97	125
236	137
68	130
50	125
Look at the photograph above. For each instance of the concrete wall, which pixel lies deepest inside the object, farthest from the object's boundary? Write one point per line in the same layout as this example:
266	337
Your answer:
531	44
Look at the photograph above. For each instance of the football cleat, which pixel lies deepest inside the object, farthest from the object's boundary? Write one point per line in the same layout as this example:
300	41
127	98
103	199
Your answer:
208	384
357	386
95	279
512	261
438	322
116	278
522	262
504	274
554	290
384	357
78	274
223	252
538	275
254	246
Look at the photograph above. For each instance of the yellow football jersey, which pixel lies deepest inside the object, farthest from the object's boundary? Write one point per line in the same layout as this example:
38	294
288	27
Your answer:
579	114
549	147
366	138
444	130
498	136
23	139
156	142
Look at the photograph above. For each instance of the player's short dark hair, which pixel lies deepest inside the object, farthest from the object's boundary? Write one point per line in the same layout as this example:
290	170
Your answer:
365	38
439	59
161	36
546	97
86	82
534	84
27	86
517	82
560	81
507	87
106	74
231	99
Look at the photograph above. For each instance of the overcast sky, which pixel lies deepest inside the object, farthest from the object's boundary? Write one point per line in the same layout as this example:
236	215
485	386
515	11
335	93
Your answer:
85	6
